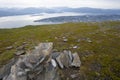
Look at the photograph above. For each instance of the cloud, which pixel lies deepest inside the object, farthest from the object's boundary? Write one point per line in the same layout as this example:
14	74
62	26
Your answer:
61	3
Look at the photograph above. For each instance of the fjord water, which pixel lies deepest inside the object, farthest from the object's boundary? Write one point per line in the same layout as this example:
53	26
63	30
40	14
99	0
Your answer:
53	18
23	20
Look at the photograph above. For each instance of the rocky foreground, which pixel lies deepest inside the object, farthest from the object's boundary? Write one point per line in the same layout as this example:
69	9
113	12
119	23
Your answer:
41	64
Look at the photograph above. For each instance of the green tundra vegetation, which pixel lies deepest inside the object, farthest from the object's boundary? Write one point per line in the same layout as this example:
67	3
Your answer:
98	45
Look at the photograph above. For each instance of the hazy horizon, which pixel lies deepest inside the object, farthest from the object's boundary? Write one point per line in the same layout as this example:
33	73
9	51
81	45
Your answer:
104	4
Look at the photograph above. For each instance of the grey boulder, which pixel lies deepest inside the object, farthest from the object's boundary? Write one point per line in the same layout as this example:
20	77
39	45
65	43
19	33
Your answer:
76	60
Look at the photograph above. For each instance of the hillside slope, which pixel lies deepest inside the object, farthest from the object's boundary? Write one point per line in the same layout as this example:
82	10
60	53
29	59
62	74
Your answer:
98	45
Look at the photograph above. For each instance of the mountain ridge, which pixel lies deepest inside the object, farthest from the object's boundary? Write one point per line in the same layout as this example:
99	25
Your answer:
33	10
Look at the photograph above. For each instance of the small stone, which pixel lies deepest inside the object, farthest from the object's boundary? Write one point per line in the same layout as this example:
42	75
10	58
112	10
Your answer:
24	43
88	40
65	40
9	47
73	76
20	53
63	37
56	37
75	47
21	48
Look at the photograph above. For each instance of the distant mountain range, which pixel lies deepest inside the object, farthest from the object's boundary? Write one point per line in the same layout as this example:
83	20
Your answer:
31	10
18	11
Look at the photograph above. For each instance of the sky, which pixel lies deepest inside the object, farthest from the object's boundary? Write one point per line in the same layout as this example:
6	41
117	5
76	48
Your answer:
107	4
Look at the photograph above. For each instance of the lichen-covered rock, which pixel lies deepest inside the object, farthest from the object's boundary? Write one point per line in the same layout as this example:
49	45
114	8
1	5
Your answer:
5	70
70	57
44	48
40	64
76	60
51	73
64	59
30	64
54	55
16	73
59	60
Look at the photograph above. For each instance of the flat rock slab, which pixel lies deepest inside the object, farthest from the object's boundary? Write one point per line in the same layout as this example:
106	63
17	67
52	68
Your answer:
18	53
76	60
64	59
43	48
59	60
